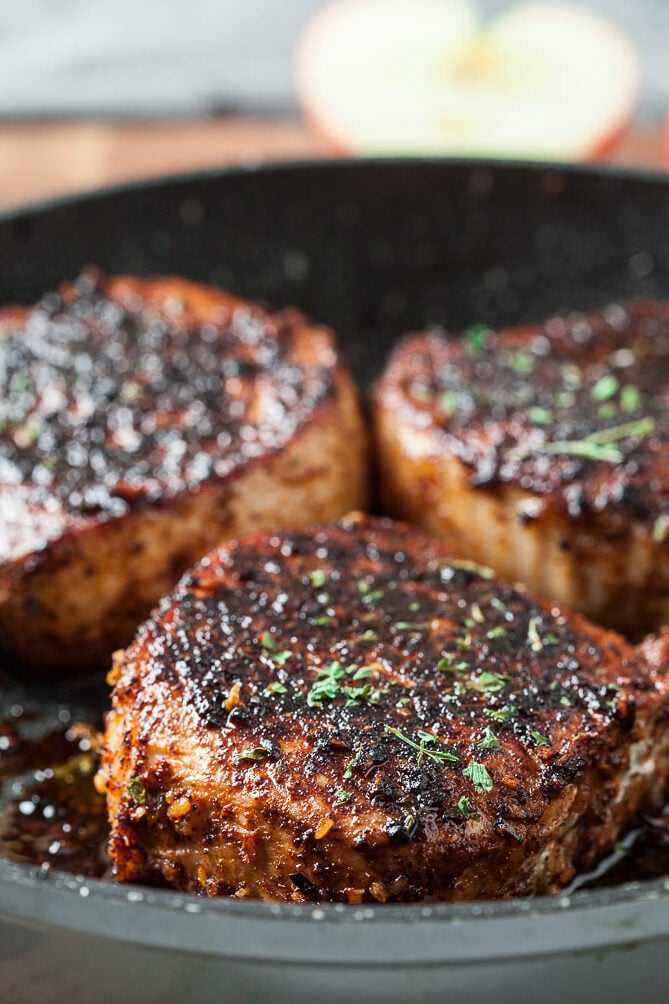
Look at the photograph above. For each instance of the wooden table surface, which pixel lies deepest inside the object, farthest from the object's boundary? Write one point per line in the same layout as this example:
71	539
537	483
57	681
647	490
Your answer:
40	160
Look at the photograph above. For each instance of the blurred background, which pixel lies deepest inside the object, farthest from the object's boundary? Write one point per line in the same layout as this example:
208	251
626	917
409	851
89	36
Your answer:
94	92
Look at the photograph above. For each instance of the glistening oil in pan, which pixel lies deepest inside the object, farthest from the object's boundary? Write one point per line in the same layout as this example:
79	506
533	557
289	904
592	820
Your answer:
52	816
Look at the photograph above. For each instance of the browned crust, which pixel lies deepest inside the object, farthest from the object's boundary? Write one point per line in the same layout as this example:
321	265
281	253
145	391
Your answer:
337	807
75	581
464	435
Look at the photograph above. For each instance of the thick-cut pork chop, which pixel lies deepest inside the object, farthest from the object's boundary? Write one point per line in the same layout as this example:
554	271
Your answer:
543	451
346	714
141	423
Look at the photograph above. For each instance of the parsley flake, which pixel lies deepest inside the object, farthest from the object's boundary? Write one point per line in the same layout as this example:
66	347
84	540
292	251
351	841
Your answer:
489	741
488	682
499	714
275	687
479	776
605	387
342	797
137	791
268	642
540	739
463	806
496	632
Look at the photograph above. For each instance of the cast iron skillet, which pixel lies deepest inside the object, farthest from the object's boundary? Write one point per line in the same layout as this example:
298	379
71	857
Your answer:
375	249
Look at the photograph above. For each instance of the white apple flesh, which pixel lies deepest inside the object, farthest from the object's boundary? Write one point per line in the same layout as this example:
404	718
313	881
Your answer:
544	80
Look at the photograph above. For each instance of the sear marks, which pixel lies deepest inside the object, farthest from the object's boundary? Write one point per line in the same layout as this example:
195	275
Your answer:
562	425
347	714
110	399
142	422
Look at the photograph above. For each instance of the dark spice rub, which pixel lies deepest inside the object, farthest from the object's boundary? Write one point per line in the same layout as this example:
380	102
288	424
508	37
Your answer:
142	422
543	450
346	714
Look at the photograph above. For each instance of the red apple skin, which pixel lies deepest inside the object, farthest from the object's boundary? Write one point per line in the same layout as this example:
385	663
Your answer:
336	147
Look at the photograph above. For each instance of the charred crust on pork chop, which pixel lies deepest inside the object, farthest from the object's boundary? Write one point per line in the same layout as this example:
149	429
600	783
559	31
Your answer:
147	416
564	428
352	707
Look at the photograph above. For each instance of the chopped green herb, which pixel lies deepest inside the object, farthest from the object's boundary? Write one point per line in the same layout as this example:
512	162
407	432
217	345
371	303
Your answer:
479	776
353	762
606	410
523	363
477	613
488	682
641	427
470	566
489	741
368	635
660	528
268	642
630	398
276	688
413	607
322	620
605	387
366	693
496	632
368	594
565	702
499	714
137	791
465	641
317	578
533	636
408	626
281	658
426	740
363	673
463	806
449	401
476	336
326	686
342	797
598	445
540	739
254	754
540	416
447	664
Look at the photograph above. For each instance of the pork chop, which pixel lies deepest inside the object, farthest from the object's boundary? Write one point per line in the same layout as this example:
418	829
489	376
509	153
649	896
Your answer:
348	714
142	423
543	451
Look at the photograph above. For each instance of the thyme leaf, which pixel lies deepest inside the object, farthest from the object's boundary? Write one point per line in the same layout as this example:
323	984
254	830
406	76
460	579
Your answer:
425	747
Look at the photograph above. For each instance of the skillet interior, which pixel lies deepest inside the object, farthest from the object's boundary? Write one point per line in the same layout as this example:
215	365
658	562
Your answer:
375	249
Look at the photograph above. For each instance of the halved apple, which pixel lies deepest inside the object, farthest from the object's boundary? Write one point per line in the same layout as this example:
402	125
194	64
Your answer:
543	80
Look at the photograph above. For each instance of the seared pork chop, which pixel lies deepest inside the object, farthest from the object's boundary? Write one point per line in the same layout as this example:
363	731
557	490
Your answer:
141	423
347	714
543	451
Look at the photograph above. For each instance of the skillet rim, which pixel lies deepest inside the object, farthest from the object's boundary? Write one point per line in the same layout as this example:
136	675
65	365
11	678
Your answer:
32	879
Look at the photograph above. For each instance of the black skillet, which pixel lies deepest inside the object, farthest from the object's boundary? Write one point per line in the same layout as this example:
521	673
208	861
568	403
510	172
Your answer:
374	249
